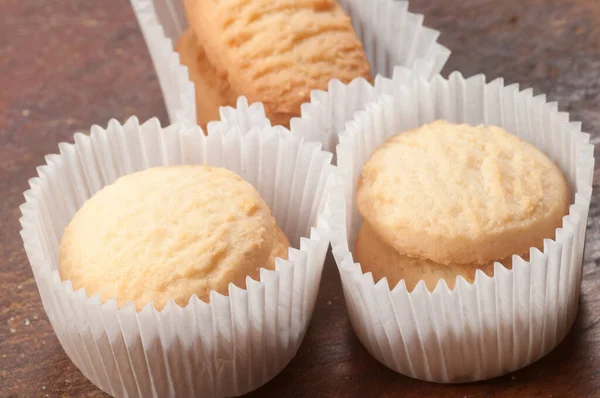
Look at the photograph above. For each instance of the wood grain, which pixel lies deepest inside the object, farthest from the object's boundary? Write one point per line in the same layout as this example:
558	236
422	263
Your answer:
66	65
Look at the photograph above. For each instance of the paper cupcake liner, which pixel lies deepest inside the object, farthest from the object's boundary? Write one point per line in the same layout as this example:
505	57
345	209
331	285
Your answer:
229	346
161	37
498	324
391	35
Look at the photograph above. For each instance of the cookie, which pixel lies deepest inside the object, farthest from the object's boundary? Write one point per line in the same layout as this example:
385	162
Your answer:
458	194
277	51
168	233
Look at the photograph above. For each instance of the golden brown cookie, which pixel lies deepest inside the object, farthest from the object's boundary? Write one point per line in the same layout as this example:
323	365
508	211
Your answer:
169	233
457	194
384	262
277	51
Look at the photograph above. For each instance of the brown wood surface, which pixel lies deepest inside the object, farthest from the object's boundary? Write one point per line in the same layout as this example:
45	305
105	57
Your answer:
65	65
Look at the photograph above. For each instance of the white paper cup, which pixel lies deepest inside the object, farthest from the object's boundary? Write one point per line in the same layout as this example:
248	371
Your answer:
498	324
227	347
391	36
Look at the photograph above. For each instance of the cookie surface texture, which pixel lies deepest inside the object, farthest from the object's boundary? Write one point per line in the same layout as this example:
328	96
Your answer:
457	194
168	233
277	51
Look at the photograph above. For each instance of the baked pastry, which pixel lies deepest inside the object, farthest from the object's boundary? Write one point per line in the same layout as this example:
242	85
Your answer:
443	199
169	233
272	51
382	261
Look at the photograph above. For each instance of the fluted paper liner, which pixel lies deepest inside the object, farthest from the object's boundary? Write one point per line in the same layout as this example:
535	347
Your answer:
229	346
391	35
498	324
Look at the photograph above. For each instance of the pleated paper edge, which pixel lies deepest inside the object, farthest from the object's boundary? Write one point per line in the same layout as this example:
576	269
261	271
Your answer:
317	244
177	89
323	118
180	99
356	283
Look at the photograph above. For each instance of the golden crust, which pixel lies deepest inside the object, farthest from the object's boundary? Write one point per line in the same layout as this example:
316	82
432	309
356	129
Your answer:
168	233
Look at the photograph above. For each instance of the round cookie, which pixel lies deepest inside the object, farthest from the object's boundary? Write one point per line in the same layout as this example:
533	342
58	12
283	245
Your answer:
169	233
457	194
384	262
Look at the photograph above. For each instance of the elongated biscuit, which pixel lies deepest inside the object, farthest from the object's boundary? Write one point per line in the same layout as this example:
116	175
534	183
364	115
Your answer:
277	51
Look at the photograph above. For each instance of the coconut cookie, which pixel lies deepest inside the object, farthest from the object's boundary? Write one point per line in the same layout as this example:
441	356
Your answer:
169	233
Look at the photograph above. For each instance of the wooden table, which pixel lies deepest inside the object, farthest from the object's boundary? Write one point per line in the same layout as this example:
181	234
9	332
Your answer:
65	65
